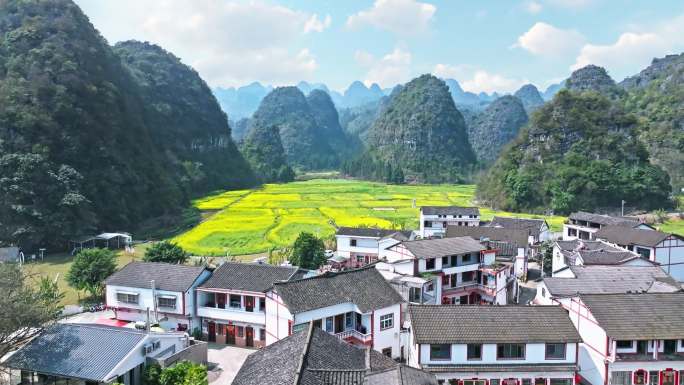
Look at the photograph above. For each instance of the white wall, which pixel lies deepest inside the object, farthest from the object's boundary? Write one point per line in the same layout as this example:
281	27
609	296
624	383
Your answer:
324	312
364	245
277	317
389	338
534	354
671	251
136	357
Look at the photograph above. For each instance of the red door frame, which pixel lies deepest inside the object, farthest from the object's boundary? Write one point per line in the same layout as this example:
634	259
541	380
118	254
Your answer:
249	336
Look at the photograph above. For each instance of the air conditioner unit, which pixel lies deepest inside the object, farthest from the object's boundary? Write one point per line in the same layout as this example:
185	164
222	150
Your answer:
148	348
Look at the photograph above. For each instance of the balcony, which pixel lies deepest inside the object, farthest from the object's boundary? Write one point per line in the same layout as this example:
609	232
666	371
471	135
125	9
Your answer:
365	338
232	314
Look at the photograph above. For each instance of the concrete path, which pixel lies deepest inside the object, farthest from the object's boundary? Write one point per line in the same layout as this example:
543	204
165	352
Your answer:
224	362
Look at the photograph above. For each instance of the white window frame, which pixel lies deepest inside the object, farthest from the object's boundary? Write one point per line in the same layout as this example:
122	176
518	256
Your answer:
167	297
127	295
387	321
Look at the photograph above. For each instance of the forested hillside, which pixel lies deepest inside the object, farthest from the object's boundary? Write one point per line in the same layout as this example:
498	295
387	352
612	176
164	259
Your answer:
77	149
579	152
420	134
495	127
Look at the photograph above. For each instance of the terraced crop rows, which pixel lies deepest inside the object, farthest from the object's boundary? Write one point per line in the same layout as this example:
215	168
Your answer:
253	221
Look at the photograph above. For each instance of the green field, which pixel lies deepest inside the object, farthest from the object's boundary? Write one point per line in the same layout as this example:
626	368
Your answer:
253	221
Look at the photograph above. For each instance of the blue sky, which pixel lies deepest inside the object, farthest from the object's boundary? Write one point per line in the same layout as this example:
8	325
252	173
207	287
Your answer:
486	45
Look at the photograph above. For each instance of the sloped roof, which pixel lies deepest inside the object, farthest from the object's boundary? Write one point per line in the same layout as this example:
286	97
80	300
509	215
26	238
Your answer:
515	236
603	219
638	316
449	324
534	225
166	276
364	287
253	277
370	232
312	357
9	254
578	244
597	279
449	210
606	257
631	236
440	247
401	375
88	352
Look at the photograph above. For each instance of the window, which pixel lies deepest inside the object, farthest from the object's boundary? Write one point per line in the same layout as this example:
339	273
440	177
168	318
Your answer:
387	352
560	381
527	381
429	264
440	352
352	242
262	304
681	377
445	262
235	301
240	331
555	351
262	334
329	324
127	298
640	377
572	232
427	224
474	351
670	346
349	320
624	344
653	377
540	381
468	276
466	258
621	378
494	381
387	321
474	382
167	301
510	351
414	294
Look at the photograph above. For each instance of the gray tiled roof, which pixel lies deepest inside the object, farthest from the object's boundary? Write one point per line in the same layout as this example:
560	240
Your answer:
605	257
638	316
630	236
312	357
515	236
88	352
364	287
577	244
440	247
178	278
401	375
370	232
449	210
248	276
9	254
533	225
598	279
603	219
491	324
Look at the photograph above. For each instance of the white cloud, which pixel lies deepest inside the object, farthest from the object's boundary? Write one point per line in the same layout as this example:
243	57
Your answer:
314	24
533	7
576	4
546	40
634	50
227	42
403	17
478	80
392	69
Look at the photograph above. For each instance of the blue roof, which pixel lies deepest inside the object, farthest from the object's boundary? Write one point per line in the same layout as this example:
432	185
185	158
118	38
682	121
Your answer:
83	351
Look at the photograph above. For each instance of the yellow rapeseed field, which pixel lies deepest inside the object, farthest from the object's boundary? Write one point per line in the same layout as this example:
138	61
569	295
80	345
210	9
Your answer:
253	221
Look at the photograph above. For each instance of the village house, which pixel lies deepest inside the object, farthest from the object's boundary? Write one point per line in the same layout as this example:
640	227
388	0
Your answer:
232	303
466	272
657	246
631	339
577	252
359	246
357	306
435	219
166	290
583	225
494	345
313	357
537	229
411	288
86	354
511	244
603	279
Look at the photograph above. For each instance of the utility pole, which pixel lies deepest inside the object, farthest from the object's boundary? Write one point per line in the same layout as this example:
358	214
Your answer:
623	208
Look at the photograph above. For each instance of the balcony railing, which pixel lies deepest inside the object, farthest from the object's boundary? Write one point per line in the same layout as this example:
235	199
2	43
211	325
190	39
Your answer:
354	334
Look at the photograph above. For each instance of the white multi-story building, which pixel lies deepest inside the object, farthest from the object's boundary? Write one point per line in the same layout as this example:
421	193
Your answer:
466	272
357	306
630	339
578	252
435	219
359	246
663	248
232	303
494	345
583	225
166	290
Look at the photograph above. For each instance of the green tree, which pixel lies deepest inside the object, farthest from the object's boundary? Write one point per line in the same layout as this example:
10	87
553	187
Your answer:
183	373
89	270
308	251
167	252
27	307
